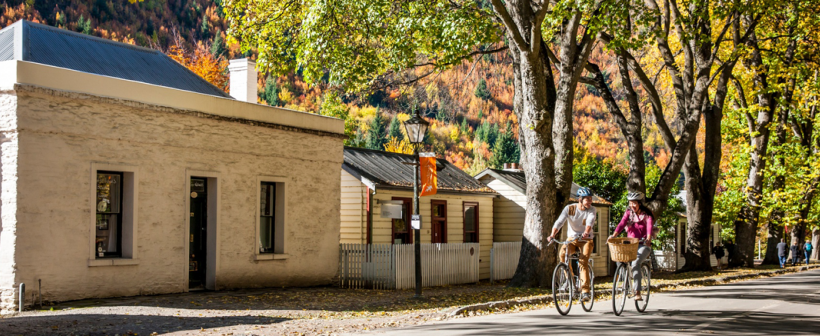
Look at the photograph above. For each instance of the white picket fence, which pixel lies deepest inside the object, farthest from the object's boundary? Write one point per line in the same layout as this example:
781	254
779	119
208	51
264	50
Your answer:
666	260
385	266
503	260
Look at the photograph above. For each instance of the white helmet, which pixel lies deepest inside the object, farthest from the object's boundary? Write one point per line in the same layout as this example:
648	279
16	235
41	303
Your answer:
635	196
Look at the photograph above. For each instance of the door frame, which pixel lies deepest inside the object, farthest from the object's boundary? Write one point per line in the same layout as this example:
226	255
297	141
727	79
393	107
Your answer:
410	234
213	201
433	204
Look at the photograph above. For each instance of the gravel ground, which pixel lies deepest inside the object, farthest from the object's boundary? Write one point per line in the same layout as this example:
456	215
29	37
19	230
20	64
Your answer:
274	311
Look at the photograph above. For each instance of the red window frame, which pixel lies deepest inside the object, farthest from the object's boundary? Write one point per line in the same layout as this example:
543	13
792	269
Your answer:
433	218
464	207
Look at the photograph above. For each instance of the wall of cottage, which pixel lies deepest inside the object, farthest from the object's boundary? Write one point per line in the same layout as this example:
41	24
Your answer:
354	225
63	134
8	201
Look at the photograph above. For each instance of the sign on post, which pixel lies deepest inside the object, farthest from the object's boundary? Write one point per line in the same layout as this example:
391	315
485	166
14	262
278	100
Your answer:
415	222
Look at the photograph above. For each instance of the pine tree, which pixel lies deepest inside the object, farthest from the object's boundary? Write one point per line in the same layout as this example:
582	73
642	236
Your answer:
84	25
218	45
394	130
271	93
506	149
481	90
465	128
376	133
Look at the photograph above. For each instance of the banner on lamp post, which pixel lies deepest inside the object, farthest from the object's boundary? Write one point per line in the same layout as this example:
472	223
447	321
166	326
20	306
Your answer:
429	182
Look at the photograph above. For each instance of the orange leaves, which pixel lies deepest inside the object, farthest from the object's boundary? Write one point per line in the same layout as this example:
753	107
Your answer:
202	63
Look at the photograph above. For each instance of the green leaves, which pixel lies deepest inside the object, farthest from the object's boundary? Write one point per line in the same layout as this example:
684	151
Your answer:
358	42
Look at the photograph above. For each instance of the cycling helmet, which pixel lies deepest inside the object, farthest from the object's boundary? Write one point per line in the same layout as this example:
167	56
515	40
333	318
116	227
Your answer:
584	192
634	196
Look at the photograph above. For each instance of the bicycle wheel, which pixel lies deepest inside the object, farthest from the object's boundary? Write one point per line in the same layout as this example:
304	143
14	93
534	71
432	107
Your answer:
562	289
620	289
646	282
587	305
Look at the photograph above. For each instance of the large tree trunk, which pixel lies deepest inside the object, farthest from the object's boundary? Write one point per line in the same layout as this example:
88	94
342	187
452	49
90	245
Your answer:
747	221
534	105
815	241
697	232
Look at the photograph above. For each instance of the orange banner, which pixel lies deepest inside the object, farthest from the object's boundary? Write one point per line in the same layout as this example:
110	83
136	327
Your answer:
427	165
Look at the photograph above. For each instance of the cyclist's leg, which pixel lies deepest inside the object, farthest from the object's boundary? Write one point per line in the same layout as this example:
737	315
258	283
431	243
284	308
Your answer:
583	265
566	251
643	253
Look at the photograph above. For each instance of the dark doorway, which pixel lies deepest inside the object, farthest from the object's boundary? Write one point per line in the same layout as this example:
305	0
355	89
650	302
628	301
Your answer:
199	234
439	221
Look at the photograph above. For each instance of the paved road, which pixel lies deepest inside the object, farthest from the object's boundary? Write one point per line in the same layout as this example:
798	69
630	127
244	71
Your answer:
783	305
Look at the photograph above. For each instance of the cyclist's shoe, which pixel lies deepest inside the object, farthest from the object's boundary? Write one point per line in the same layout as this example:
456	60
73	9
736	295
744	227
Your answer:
563	286
638	297
586	297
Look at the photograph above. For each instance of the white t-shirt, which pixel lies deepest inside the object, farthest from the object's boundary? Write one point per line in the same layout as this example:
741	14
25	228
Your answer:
577	222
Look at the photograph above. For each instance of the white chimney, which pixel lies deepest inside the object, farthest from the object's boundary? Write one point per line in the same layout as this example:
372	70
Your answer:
243	79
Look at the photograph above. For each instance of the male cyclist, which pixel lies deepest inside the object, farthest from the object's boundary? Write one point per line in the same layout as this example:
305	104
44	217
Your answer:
581	217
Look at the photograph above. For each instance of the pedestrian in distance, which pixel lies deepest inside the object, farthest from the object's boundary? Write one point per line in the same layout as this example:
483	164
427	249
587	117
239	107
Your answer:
781	252
717	250
795	253
730	249
807	251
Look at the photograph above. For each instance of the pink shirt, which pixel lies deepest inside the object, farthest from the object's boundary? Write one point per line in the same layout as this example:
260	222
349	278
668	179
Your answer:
637	226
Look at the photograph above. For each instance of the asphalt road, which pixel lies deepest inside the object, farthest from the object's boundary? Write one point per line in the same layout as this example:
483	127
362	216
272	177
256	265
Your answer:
782	305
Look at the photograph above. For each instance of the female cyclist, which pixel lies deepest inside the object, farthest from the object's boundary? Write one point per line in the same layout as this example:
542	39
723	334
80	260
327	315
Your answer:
638	221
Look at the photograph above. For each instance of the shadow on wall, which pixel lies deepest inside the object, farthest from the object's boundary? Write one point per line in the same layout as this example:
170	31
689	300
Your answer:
79	324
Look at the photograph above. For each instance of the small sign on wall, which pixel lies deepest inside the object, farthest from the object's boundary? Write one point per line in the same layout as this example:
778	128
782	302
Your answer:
415	222
391	211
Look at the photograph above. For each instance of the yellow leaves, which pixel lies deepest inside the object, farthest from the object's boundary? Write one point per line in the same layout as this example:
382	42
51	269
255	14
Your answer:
285	95
396	146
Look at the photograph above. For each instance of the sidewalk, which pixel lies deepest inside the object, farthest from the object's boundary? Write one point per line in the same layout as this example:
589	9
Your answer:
298	311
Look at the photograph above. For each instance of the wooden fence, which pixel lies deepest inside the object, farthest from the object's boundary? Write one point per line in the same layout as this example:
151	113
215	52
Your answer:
503	260
388	266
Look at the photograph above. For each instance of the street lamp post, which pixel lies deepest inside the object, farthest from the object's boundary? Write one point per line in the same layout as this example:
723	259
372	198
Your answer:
416	127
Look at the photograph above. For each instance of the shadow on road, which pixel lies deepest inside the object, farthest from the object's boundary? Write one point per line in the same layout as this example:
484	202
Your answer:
104	324
651	323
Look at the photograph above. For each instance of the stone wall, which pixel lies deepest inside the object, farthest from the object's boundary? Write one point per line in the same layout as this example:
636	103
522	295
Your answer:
61	134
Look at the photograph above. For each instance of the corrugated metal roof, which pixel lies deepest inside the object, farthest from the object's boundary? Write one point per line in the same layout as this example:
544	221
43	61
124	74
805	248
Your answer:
71	50
388	169
518	181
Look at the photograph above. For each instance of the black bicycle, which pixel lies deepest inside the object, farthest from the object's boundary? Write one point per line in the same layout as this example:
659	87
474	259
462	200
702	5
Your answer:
565	279
622	286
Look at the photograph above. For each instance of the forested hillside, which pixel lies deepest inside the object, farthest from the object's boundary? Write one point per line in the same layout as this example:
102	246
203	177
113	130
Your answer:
470	106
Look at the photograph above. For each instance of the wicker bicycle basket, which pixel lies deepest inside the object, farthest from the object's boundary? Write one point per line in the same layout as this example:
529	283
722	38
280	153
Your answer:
623	249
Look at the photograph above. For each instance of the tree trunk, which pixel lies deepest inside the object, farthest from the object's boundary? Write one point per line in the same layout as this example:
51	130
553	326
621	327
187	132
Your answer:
697	231
747	221
815	240
535	107
773	236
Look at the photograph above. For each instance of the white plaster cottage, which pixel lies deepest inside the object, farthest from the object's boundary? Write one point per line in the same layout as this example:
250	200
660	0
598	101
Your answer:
509	212
123	173
461	211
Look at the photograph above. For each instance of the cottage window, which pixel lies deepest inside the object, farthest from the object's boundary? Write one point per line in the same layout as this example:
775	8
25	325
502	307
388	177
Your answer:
109	214
267	219
271	217
438	221
470	222
401	226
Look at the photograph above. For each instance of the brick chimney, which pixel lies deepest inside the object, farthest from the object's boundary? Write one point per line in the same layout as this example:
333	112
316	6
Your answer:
243	79
511	167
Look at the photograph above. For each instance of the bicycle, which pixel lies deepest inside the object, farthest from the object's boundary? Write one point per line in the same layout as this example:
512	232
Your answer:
564	280
622	280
